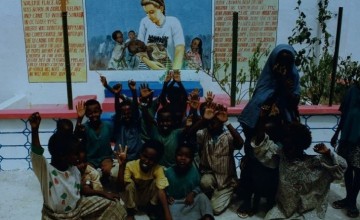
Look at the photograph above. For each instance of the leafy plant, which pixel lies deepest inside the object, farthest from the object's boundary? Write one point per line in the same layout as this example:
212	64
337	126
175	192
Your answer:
316	68
348	73
317	80
222	74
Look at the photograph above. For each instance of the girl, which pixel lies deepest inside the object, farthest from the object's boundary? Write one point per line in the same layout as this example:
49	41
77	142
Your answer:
60	180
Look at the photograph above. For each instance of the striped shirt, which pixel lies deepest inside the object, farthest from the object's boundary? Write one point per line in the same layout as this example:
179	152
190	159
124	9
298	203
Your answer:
217	157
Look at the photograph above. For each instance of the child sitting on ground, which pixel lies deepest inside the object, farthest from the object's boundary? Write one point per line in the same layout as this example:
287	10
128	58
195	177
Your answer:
145	181
162	129
60	180
98	135
304	180
127	121
216	150
90	177
184	194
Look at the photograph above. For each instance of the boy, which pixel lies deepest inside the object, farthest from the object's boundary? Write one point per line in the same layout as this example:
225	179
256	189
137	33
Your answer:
216	150
177	97
60	180
184	195
145	181
163	130
127	121
97	135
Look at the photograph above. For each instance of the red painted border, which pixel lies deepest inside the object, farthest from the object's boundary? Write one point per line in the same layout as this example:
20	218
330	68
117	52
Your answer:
62	111
46	110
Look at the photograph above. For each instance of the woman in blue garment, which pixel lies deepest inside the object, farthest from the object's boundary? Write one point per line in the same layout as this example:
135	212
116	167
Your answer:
278	89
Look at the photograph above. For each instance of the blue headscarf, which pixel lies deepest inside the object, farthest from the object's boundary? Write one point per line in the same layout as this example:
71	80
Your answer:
267	85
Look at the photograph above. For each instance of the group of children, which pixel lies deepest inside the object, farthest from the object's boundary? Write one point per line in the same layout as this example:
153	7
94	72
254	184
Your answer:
172	156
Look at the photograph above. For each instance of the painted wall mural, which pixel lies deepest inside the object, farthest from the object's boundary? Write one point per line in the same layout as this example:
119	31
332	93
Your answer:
125	35
149	34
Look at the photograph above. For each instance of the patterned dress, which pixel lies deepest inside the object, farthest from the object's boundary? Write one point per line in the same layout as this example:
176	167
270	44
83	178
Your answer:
303	184
61	194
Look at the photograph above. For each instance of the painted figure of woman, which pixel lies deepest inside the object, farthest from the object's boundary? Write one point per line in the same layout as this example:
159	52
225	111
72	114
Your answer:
163	31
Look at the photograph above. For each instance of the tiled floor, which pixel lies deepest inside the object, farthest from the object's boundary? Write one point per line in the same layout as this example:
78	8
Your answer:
21	199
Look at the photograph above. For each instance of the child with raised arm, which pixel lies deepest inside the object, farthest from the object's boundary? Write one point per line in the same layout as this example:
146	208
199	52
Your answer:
98	135
60	180
160	129
90	177
145	181
127	121
216	150
175	92
304	180
184	194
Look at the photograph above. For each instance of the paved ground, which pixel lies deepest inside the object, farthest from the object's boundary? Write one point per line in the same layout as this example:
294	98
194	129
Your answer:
21	199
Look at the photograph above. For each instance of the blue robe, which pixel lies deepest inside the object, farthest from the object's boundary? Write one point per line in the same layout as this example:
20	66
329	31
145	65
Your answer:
267	85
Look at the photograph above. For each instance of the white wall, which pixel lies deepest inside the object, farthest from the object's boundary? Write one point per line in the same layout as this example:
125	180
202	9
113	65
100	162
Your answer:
14	78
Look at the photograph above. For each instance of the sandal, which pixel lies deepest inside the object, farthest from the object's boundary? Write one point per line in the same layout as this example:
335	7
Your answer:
244	213
339	204
352	212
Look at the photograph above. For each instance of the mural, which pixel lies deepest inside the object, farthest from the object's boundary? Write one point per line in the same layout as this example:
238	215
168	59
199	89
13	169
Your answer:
149	34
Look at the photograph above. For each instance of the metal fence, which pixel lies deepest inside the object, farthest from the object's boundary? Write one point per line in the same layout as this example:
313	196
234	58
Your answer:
15	137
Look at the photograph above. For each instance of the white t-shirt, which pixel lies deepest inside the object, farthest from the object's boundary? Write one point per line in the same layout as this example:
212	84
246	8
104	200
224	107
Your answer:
61	190
169	34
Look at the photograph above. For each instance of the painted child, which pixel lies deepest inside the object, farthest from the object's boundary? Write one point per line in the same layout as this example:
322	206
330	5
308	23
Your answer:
117	60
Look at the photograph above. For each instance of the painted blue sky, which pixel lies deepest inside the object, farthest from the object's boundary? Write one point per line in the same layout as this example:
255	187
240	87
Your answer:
103	17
